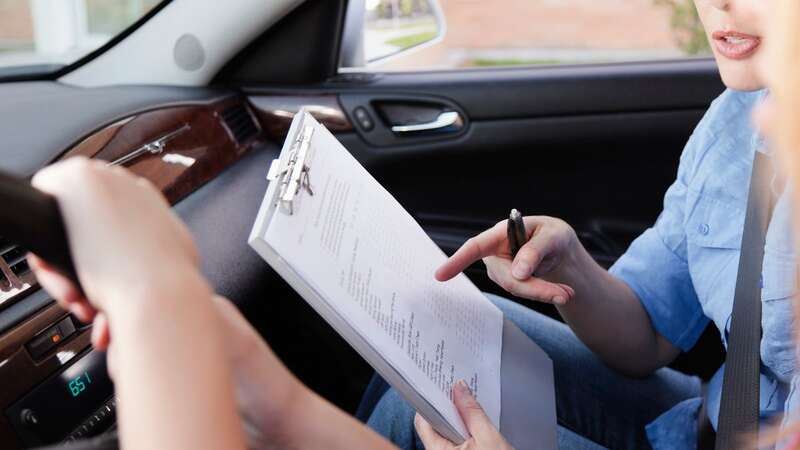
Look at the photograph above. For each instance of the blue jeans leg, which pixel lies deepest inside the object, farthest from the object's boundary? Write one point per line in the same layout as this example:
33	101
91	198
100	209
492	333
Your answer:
594	403
393	418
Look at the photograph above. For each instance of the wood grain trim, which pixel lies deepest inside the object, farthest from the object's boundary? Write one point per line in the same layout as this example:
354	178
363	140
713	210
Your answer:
276	112
189	161
97	141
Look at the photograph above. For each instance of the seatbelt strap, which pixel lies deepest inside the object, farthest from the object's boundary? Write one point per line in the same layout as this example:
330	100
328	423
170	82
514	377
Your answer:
739	406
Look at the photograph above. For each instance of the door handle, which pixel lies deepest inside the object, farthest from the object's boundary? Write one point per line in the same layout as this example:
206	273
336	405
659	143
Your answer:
446	119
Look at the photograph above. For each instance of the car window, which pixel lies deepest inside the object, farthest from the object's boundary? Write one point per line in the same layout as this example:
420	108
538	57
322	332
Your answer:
473	34
42	35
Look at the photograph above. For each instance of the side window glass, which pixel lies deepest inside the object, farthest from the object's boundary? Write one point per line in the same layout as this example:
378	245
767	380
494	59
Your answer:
42	35
454	34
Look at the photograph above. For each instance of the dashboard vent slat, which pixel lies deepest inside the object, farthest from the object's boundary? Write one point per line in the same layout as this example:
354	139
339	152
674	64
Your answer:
5	246
21	268
240	123
15	256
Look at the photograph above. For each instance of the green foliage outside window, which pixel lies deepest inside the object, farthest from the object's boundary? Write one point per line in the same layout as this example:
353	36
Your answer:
387	9
686	26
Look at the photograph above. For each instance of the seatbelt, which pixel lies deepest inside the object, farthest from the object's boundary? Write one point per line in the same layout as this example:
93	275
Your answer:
739	406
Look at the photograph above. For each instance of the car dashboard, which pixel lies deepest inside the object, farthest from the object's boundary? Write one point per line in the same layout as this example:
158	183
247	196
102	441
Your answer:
208	152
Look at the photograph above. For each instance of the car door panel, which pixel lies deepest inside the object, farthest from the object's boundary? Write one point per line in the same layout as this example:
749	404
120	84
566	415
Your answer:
539	166
547	91
594	145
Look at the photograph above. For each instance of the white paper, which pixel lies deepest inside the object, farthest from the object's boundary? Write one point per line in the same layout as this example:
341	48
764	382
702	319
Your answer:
357	246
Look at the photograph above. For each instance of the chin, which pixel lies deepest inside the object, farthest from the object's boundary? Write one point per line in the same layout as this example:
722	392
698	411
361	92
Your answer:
740	75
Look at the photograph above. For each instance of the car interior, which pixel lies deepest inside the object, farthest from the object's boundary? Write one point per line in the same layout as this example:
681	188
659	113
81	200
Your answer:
596	145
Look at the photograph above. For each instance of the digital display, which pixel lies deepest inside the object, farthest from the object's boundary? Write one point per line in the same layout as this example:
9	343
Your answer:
63	401
78	385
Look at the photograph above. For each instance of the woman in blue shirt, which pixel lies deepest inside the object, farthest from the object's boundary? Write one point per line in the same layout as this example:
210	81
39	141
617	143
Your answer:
626	324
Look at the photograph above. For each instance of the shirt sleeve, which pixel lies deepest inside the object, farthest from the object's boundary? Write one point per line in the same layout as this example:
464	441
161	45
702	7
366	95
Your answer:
656	269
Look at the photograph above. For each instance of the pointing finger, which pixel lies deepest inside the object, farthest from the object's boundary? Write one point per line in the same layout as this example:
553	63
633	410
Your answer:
485	244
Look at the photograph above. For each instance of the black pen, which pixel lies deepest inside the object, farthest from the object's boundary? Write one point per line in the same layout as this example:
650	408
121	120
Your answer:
517	236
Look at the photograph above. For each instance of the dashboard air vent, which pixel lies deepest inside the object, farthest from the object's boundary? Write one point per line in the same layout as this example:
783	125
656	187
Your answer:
240	123
15	257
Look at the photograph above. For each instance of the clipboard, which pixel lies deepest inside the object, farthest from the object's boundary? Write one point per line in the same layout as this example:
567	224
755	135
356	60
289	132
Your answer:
526	371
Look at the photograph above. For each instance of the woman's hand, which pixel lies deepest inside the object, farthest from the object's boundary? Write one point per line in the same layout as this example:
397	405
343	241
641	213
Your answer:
550	244
484	435
124	238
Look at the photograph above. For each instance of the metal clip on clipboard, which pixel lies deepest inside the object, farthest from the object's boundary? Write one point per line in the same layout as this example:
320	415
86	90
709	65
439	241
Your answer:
292	173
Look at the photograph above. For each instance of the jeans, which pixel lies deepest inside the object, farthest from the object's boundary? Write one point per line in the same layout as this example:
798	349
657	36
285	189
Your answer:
596	406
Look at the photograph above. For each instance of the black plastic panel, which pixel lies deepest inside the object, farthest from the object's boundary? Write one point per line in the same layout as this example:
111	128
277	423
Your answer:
62	402
302	48
220	215
604	174
13	315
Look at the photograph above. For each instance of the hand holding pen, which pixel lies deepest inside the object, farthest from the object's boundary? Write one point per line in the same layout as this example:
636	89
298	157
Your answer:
522	255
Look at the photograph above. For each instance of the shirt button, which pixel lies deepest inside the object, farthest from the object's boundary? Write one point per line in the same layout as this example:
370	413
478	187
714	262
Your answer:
704	229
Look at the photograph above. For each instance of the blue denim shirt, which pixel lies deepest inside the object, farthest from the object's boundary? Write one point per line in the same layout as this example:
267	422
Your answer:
684	268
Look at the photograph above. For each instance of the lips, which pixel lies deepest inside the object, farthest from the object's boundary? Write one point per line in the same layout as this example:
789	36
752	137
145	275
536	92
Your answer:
735	45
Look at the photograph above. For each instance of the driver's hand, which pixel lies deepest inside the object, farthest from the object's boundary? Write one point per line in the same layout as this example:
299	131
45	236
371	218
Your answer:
111	206
484	435
550	242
